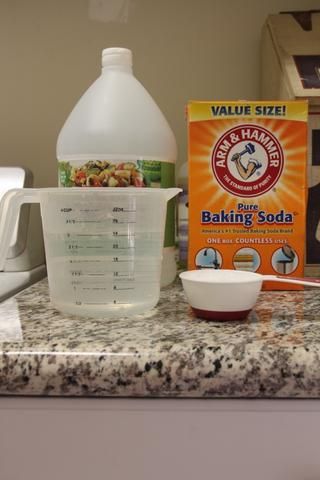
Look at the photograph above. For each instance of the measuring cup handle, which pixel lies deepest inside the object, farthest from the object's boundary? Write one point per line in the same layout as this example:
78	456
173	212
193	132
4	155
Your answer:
9	211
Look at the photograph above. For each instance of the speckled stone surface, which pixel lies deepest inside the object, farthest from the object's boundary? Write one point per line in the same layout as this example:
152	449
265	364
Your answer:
165	353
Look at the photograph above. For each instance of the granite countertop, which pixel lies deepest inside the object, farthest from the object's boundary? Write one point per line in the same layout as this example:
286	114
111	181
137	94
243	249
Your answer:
164	353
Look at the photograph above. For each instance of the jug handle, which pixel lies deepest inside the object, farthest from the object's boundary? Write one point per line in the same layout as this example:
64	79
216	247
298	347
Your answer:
9	210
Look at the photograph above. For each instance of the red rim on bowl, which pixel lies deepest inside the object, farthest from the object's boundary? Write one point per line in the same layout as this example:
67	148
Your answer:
220	316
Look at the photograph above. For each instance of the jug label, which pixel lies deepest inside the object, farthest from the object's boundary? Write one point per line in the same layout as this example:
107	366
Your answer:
122	173
247	186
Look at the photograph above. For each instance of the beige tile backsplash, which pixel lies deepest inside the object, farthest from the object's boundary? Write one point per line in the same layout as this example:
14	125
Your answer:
183	49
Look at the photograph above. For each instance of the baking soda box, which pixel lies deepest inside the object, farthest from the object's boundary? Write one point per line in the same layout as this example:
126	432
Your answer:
247	186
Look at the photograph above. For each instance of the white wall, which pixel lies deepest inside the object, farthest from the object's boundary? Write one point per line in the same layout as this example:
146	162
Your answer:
183	49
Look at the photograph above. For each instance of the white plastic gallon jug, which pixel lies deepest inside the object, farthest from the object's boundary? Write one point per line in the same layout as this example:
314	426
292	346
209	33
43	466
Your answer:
116	136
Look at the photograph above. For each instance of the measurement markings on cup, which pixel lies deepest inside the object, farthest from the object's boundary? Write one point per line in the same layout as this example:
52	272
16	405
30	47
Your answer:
130	276
86	221
115	287
132	279
94	288
125	222
96	274
128	235
86	210
122	242
125	260
83	260
122	210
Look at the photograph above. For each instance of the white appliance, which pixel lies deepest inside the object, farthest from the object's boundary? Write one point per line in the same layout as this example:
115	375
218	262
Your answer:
290	69
25	263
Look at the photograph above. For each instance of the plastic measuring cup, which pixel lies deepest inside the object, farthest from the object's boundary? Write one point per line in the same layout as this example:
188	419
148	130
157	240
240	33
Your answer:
103	245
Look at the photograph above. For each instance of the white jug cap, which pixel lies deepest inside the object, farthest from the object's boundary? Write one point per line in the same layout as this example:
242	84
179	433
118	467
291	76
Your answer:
116	56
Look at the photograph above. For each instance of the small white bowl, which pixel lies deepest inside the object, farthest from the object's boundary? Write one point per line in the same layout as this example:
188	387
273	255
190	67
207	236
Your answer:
221	294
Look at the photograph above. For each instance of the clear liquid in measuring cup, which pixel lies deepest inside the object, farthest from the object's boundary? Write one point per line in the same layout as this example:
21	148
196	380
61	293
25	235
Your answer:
107	282
104	262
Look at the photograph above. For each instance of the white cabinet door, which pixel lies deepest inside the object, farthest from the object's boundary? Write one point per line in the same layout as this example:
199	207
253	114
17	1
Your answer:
141	439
